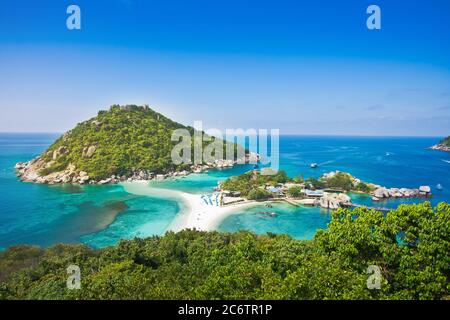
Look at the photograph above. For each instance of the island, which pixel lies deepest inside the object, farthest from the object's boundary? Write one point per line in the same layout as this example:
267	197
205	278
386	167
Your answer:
443	145
329	191
124	143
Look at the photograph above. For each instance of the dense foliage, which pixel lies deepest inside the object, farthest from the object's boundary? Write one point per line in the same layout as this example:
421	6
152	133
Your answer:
252	180
340	181
249	182
446	141
295	192
258	194
123	139
411	246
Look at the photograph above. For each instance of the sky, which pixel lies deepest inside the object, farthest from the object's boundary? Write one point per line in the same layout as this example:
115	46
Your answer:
304	67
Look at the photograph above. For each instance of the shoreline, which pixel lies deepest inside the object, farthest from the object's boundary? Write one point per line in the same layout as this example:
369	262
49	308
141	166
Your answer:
440	147
194	213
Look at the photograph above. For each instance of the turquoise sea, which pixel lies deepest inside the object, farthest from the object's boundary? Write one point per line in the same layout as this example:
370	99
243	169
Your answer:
102	215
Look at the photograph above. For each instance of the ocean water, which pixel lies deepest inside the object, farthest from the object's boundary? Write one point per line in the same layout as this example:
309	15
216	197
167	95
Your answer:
96	215
102	215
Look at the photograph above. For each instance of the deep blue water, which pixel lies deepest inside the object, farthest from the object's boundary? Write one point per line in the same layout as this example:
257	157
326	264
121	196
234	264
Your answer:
102	215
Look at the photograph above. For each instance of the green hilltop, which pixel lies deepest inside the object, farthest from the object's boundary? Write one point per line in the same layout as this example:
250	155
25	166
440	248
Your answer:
120	141
446	142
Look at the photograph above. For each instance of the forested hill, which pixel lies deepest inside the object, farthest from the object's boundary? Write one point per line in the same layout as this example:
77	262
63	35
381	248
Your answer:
446	142
443	145
409	247
120	141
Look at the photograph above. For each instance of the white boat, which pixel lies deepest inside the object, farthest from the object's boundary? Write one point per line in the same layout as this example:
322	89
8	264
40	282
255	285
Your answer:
439	186
313	165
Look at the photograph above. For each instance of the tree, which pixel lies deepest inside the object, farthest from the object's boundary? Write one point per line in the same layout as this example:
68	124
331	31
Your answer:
410	245
295	192
258	194
314	183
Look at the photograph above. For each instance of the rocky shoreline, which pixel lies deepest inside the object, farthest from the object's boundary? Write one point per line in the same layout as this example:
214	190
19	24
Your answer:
29	172
440	147
382	193
379	193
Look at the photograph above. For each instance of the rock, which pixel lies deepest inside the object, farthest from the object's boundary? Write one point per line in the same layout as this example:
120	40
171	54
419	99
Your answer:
441	147
20	165
425	189
59	152
41	180
330	174
143	175
82	174
88	151
334	200
105	181
83	177
380	193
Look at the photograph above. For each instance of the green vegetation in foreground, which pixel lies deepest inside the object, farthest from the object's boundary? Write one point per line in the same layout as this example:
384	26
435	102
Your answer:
411	245
119	141
250	184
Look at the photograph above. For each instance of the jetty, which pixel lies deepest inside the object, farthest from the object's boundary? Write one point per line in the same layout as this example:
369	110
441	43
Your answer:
291	202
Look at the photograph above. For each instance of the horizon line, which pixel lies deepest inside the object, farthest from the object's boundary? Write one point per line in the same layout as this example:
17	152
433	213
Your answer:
281	135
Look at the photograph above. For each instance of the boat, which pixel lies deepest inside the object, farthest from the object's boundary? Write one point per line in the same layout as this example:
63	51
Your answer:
439	186
314	165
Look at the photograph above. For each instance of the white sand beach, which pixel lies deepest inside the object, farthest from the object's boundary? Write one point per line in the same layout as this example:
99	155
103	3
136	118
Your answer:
195	213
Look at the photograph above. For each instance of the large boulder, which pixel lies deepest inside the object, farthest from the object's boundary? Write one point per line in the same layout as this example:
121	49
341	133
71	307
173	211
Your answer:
59	152
381	193
334	200
83	177
88	151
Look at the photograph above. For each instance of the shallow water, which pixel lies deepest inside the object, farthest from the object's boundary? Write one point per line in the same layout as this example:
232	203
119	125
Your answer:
299	222
102	215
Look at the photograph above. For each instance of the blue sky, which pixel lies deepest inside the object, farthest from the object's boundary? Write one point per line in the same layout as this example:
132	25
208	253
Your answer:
305	67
